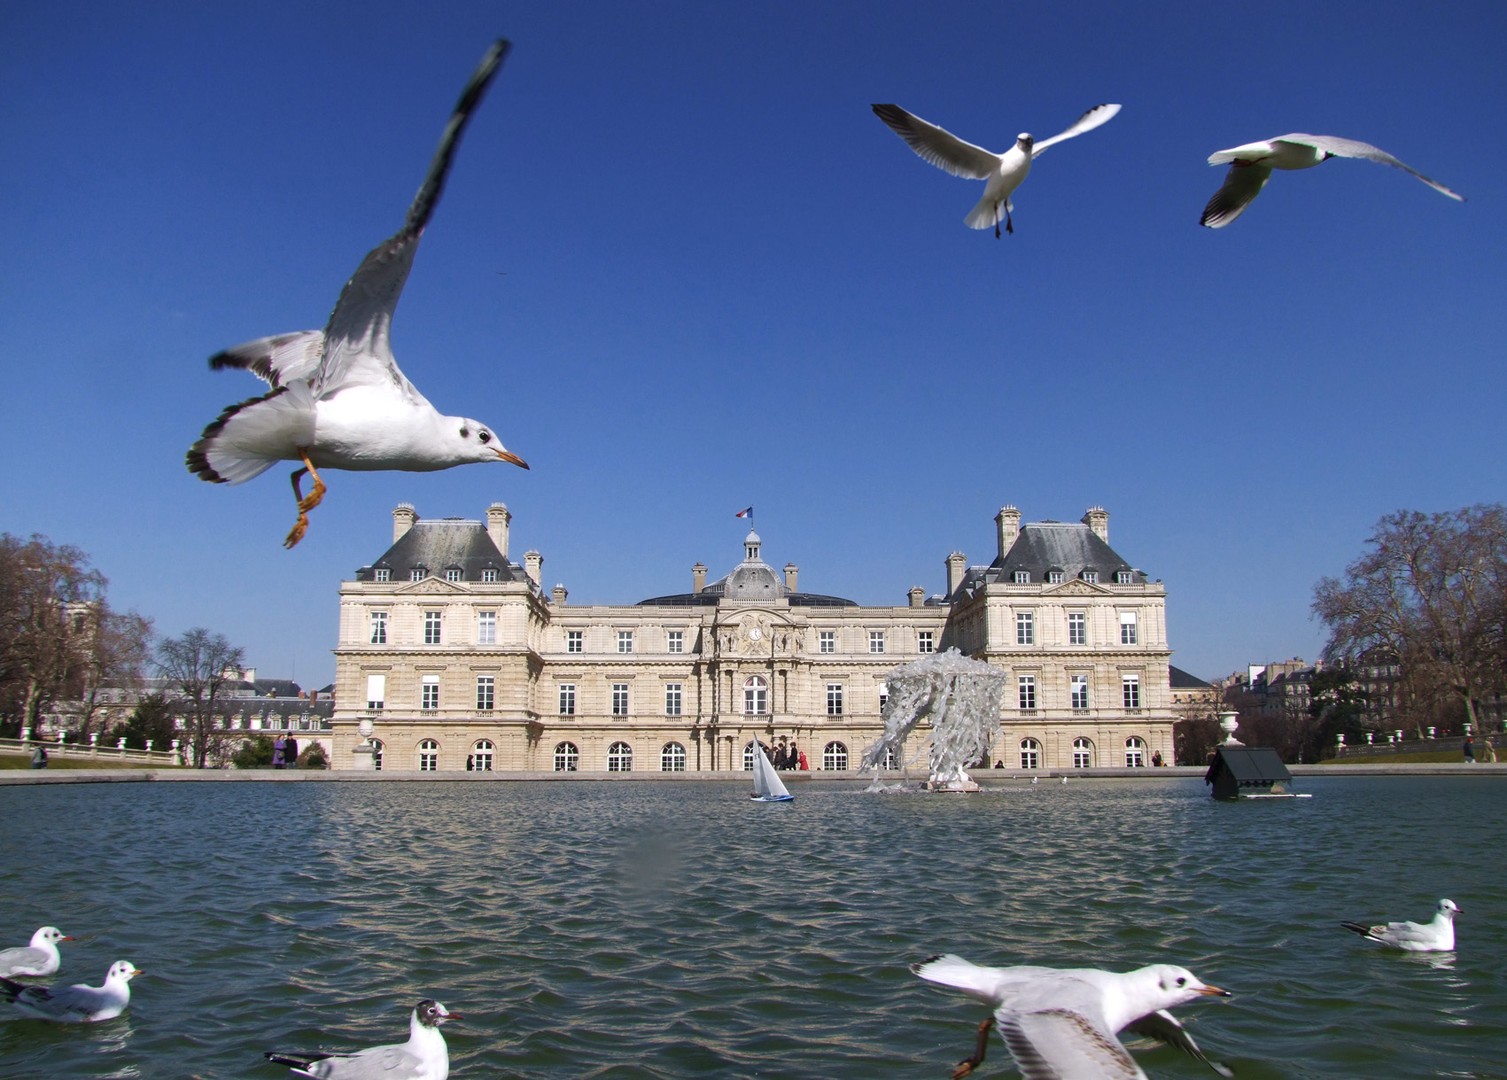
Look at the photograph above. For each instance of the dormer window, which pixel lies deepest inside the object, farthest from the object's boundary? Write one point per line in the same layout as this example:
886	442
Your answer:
382	574
453	573
489	575
1122	577
1054	577
1022	577
1090	576
418	573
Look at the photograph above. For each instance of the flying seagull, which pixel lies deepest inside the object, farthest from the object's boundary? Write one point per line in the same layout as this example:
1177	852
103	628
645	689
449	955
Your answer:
34	960
1436	935
1003	173
1063	1023
1251	167
338	400
423	1057
75	1004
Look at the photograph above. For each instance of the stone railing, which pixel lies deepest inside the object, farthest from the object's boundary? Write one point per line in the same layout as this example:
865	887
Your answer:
96	749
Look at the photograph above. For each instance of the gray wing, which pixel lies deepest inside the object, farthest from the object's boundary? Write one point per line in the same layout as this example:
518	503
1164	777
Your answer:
1099	114
1059	1044
276	360
1242	183
62	1002
359	348
1350	148
21	960
942	148
378	1063
1164	1027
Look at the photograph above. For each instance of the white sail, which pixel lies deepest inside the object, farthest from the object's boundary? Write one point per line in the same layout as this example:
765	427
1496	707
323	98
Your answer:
768	787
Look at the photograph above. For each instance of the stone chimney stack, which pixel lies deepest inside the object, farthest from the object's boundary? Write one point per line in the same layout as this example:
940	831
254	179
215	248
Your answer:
533	562
1008	523
1097	519
698	577
404	517
917	596
792	572
558	595
498	519
957	562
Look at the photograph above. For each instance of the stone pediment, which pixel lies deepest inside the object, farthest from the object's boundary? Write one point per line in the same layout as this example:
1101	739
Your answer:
431	586
758	633
1077	587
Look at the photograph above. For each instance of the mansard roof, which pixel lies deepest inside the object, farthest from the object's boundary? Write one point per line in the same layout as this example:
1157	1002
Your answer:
1042	547
445	544
751	580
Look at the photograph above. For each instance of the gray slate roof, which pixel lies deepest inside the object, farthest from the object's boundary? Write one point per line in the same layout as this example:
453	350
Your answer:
1179	679
445	544
1044	546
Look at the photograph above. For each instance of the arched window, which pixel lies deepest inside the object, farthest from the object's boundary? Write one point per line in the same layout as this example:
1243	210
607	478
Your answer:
377	754
1083	753
1135	752
1030	754
755	697
481	755
620	757
890	762
429	756
748	753
835	757
672	758
567	757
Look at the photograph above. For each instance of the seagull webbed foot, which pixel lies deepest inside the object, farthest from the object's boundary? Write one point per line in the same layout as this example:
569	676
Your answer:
981	1047
305	502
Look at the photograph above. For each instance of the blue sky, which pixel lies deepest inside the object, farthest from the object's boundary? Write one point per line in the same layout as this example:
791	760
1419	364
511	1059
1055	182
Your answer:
681	268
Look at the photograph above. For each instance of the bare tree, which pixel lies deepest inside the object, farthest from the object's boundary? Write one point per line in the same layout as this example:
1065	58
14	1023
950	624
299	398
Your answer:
198	664
113	658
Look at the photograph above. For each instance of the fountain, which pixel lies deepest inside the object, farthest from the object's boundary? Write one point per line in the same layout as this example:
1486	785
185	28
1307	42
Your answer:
960	697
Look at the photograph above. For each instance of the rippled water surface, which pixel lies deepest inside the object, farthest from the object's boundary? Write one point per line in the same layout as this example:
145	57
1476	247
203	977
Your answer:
664	929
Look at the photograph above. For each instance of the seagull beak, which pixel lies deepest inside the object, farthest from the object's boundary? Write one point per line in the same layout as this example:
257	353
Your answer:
512	458
67	937
1214	991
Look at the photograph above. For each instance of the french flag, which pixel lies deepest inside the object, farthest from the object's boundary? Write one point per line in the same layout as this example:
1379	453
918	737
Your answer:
745	512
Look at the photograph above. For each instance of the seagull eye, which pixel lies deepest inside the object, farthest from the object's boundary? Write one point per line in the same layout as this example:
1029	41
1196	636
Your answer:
485	436
1182	981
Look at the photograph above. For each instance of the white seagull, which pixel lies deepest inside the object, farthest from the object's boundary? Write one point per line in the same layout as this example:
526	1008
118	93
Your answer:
423	1057
78	1003
338	400
1003	173
1251	167
1436	935
1063	1023
39	958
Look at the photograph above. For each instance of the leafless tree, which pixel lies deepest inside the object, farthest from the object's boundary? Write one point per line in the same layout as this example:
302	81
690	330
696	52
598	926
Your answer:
198	664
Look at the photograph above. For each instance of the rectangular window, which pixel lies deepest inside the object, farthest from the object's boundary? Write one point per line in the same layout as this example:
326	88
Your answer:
673	694
429	693
1080	691
1090	576
1054	577
1022	577
1127	628
376	691
573	640
453	574
486	628
1077	628
379	628
382	574
1122	577
417	573
925	642
834	699
619	699
675	641
625	641
567	699
1131	687
489	575
1025	628
826	641
1027	685
485	687
876	641
431	628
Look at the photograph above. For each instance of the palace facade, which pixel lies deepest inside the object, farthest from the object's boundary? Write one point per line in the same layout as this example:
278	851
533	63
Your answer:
452	656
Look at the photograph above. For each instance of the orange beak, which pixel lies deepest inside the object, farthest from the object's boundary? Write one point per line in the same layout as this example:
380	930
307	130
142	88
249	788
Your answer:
512	458
1214	991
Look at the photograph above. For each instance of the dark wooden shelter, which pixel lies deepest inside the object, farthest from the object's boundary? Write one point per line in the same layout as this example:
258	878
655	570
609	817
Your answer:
1247	771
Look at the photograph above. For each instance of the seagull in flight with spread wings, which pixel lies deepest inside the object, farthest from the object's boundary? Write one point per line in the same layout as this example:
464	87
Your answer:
1002	173
338	399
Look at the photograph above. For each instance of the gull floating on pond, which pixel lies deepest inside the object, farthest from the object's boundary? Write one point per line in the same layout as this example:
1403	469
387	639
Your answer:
338	399
1436	935
1251	167
1003	173
77	1003
423	1057
39	958
1063	1023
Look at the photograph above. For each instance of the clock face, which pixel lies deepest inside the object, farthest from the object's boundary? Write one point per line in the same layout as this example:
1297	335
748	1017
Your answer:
754	633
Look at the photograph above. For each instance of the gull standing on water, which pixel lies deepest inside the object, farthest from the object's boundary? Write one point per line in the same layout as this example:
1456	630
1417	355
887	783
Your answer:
37	959
423	1057
338	399
1436	935
1251	167
1003	173
1063	1023
78	1003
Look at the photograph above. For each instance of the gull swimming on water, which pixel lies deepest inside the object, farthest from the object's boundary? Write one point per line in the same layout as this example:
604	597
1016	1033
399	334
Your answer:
1063	1023
1436	935
338	399
78	1003
1003	173
39	958
1251	167
423	1057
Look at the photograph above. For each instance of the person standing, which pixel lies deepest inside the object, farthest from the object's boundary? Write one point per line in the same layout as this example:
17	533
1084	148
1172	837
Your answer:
279	748
290	753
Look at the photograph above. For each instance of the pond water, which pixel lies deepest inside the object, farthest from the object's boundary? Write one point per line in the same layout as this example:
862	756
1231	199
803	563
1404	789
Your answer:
675	929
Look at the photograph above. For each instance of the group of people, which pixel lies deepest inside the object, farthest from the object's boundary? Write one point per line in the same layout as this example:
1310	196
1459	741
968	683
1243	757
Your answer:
284	752
788	757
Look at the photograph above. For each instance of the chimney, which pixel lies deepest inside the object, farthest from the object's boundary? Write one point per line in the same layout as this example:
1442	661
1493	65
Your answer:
558	595
698	578
1008	523
957	562
792	572
917	596
497	526
404	517
533	562
1097	519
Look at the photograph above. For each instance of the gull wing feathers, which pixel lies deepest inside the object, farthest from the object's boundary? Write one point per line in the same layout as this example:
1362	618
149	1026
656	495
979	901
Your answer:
378	1063
276	360
1350	148
939	147
1164	1027
1241	185
1099	114
1060	1044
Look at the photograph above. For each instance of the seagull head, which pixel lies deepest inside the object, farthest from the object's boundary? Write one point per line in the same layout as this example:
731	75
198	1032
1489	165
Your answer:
122	971
1447	908
49	934
431	1013
472	440
1177	985
1024	141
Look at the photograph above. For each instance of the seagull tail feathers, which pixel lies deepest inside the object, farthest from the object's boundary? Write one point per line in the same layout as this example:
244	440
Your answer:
985	215
1358	928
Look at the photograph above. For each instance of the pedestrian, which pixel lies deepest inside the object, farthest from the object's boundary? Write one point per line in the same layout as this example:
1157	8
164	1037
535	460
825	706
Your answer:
39	757
290	753
1470	751
279	749
793	757
805	765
